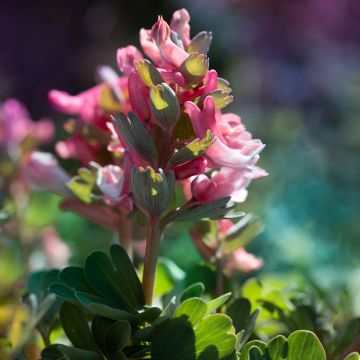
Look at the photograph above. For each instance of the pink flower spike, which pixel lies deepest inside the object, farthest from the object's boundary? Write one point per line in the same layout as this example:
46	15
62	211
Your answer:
42	172
180	24
125	58
242	261
191	168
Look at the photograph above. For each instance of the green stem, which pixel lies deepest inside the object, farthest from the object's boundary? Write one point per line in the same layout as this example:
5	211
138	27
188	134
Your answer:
151	257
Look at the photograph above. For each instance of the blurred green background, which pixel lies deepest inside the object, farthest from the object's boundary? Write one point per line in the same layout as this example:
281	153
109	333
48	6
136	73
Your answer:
295	72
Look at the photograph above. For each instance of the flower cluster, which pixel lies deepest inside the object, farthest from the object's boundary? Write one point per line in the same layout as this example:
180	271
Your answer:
157	125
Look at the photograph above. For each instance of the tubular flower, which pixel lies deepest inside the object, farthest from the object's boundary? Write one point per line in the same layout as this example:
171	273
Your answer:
43	172
16	125
234	147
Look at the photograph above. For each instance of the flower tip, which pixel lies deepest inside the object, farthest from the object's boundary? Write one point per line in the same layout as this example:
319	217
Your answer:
160	31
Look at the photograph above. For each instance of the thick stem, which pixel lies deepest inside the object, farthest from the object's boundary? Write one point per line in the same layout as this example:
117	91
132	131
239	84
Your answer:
151	256
167	148
125	233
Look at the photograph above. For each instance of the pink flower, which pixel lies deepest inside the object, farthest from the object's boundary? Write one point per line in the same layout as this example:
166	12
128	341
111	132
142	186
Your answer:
125	58
42	172
242	261
191	168
138	96
16	125
233	147
76	147
87	104
222	183
180	24
55	249
110	180
170	53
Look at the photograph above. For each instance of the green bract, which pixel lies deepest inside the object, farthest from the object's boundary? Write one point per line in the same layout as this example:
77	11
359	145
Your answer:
136	136
152	190
164	105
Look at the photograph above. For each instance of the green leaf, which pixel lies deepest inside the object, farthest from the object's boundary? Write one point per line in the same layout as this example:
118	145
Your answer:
76	328
63	292
116	281
99	326
214	210
167	312
255	353
71	353
152	190
194	68
164	105
136	136
117	336
200	43
240	313
353	356
215	330
52	353
193	309
192	150
149	315
194	290
100	306
244	355
217	302
173	339
148	72
38	284
74	278
276	348
305	345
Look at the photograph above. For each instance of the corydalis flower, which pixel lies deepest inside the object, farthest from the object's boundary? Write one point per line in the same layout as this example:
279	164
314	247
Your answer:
42	172
16	125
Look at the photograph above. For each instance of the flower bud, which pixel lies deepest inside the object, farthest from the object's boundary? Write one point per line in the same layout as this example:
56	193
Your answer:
194	68
191	168
164	105
160	31
152	190
125	58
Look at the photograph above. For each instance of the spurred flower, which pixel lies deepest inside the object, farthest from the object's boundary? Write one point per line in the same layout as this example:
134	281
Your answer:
233	147
42	172
243	261
16	125
225	182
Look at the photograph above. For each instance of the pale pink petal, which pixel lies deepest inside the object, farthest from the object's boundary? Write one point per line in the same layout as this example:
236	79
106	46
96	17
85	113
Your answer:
180	24
125	58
